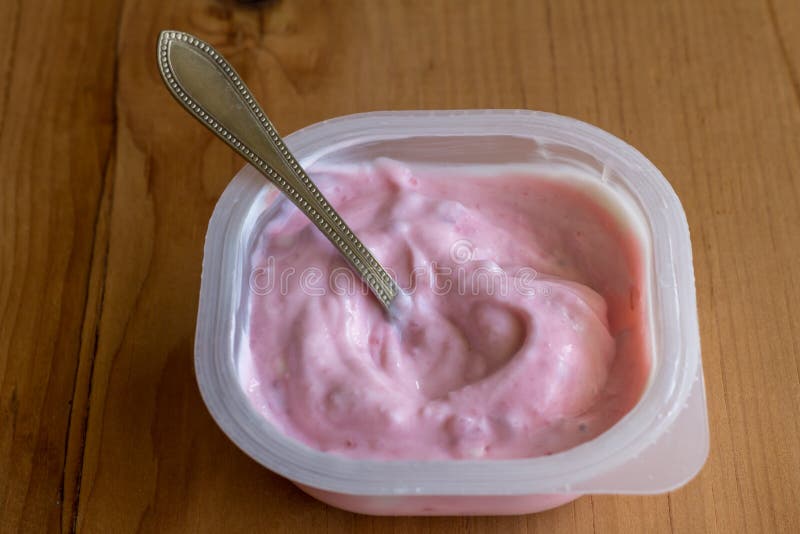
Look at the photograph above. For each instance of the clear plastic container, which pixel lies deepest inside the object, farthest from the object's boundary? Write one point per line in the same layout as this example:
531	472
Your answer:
656	447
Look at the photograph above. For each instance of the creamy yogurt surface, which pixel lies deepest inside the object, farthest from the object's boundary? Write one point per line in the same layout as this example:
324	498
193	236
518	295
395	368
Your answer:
525	332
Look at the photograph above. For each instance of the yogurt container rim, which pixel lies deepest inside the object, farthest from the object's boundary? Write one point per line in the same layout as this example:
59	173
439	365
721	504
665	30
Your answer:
615	461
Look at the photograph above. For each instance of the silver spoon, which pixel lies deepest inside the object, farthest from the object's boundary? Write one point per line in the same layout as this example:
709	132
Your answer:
208	87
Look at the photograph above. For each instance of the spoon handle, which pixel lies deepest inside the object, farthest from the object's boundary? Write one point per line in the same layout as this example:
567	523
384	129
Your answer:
208	87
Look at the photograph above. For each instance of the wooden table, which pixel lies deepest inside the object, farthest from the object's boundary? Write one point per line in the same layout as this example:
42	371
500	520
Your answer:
107	186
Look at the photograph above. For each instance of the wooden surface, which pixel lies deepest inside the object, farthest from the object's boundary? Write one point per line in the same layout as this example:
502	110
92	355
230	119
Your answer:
107	186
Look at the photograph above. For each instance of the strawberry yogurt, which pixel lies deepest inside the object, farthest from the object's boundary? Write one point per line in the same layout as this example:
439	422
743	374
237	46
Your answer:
524	333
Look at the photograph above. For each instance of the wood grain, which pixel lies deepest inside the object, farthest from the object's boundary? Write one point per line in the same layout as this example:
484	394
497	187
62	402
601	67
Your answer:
56	125
107	187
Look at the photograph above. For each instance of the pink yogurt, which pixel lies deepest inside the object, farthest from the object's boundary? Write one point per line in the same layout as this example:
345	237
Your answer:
525	333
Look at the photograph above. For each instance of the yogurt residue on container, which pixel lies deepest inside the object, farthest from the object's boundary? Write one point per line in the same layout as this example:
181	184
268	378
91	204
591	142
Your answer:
526	329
